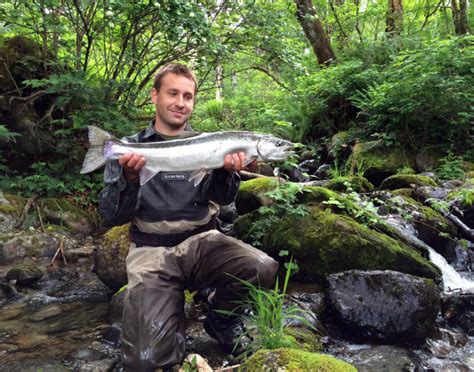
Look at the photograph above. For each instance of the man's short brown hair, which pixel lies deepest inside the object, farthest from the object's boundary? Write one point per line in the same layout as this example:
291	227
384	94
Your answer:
174	68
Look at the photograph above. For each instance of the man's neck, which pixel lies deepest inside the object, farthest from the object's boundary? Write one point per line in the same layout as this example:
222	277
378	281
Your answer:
169	130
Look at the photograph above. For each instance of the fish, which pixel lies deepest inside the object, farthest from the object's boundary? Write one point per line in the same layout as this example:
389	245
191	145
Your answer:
197	154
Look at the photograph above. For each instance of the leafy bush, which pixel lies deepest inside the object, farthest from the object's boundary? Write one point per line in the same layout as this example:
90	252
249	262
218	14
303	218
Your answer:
426	96
328	105
284	204
451	167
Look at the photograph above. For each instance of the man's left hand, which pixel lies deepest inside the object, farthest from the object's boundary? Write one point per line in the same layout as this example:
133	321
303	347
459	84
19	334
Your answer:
234	162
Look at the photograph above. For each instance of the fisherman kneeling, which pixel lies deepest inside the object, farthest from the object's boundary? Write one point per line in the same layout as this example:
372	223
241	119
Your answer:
174	241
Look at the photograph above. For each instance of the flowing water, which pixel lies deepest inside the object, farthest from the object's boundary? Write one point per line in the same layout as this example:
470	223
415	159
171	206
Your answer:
452	280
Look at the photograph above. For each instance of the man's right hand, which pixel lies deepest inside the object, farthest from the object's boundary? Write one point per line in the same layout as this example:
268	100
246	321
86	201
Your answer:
132	164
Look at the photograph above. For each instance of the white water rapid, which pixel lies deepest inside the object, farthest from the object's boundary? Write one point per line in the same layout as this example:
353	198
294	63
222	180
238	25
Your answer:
452	280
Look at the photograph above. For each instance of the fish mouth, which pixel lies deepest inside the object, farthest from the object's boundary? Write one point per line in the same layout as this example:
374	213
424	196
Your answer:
283	153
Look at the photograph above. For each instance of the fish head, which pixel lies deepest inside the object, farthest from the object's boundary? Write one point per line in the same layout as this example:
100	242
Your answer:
271	148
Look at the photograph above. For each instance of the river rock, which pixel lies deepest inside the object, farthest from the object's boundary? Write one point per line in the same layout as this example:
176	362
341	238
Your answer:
356	183
25	274
19	245
458	309
251	195
379	162
285	359
387	306
323	242
62	212
11	207
109	257
399	181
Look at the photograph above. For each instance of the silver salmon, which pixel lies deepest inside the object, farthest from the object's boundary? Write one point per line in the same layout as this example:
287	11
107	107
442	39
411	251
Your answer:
197	154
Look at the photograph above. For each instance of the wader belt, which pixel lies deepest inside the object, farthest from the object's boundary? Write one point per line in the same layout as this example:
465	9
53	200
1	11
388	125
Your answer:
166	240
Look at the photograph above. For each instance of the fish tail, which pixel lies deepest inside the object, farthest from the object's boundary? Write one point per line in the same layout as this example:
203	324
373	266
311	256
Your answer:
95	158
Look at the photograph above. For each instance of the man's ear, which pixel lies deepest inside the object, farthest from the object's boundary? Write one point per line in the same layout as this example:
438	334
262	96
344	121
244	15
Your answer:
154	95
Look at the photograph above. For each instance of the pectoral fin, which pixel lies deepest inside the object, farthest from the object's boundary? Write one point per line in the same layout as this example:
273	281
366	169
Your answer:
197	176
146	175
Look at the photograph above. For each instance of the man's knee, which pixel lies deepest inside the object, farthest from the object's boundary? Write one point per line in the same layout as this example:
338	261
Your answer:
267	270
153	329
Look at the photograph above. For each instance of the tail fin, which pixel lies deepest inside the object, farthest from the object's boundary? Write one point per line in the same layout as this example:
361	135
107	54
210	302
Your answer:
94	158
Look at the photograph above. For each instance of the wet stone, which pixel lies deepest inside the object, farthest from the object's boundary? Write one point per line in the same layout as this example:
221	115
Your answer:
46	313
25	274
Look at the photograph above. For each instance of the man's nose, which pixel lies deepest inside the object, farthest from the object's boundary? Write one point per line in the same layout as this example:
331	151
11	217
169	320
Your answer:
180	101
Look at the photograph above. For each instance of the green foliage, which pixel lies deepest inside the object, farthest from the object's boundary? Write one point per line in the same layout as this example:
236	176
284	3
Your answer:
283	204
425	96
270	315
190	366
364	211
451	167
86	100
328	105
6	134
464	196
52	180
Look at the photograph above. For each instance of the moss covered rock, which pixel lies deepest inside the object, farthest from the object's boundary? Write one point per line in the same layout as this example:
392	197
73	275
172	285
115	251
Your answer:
110	255
400	181
251	194
63	213
323	243
25	274
379	162
11	207
357	183
294	360
432	227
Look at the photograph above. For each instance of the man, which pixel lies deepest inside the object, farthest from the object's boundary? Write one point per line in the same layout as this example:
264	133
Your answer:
174	243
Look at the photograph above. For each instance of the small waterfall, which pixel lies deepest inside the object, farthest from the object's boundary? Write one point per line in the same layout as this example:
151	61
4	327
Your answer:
452	280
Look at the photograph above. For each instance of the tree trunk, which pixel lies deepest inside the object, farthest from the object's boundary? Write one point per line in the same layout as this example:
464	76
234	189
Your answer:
394	17
219	82
314	31
461	24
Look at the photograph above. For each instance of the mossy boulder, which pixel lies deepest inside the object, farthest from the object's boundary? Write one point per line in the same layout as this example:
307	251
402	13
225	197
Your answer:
110	255
406	192
25	274
317	195
251	194
63	213
19	245
11	207
379	162
285	359
400	181
306	339
357	183
432	227
323	243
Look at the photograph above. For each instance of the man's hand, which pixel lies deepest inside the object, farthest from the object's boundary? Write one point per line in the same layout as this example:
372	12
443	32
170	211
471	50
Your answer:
234	162
132	163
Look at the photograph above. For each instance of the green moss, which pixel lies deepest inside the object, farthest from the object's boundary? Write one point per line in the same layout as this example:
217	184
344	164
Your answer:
405	192
316	194
358	184
118	236
15	204
399	181
306	339
258	185
324	243
61	205
294	360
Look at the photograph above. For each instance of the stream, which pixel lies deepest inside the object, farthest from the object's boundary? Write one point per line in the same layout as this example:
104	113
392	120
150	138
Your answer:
70	321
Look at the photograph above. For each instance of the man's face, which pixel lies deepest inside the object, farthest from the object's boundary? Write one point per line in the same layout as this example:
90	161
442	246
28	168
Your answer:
174	102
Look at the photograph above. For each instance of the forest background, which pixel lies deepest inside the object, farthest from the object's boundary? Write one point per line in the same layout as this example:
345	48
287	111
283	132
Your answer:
397	72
